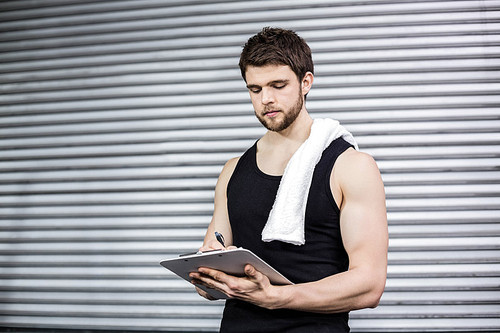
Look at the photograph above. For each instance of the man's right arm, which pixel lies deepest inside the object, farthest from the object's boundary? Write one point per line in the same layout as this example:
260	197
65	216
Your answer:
220	218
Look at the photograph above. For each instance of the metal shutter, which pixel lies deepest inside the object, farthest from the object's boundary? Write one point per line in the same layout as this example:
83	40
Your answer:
117	116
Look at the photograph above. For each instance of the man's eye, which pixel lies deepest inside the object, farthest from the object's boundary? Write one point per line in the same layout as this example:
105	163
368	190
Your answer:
255	91
280	86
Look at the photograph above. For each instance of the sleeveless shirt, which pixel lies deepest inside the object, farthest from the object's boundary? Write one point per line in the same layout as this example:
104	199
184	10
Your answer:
250	197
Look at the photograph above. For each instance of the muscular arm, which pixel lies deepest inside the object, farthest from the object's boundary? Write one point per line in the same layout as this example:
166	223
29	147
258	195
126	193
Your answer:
364	233
220	218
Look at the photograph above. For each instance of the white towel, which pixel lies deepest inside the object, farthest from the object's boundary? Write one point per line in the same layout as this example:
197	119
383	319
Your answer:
287	217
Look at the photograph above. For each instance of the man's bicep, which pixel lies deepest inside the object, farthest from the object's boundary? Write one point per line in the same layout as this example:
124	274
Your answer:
363	213
220	218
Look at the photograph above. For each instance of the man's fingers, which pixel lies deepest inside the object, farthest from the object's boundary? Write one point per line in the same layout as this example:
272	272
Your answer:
212	245
251	272
205	294
211	278
214	274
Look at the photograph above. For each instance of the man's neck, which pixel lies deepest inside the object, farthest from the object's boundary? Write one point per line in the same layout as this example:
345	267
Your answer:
294	135
275	149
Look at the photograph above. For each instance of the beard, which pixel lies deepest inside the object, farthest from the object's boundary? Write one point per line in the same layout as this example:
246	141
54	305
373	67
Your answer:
289	117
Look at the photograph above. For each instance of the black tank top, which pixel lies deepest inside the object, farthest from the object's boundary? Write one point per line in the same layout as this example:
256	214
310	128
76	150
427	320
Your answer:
250	197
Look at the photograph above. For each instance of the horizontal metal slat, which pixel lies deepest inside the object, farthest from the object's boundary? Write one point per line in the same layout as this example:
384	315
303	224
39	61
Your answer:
100	235
204	171
170	152
111	186
424	324
444	203
400	61
105	285
389	297
371	103
463	256
430	311
153	271
204	121
160	131
80	260
442	284
436	191
114	173
201	207
340	27
23	40
172	95
92	322
412	65
451	216
161	247
116	223
440	164
390	181
108	198
202	162
446	230
137	149
116	310
395	179
17	10
118	297
125	80
444	243
186	196
441	297
227	45
444	270
247	12
437	256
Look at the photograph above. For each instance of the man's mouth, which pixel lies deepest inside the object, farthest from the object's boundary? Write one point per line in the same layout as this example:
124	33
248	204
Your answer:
271	113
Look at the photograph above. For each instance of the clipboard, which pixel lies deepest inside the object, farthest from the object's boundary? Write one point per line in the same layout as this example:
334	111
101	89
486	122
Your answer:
231	262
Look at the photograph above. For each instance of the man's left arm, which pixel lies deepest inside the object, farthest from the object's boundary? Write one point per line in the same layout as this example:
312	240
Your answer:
364	232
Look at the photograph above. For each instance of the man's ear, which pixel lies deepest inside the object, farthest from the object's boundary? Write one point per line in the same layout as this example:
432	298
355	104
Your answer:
307	82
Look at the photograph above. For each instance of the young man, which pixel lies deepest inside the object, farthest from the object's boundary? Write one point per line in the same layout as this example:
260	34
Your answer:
342	264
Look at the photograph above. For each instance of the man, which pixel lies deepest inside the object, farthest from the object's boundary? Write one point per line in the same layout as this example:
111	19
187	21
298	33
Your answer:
343	263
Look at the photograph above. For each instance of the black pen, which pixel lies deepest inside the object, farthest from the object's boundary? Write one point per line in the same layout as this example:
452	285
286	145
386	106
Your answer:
220	238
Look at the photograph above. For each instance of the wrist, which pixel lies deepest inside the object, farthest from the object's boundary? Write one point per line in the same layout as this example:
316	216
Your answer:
279	297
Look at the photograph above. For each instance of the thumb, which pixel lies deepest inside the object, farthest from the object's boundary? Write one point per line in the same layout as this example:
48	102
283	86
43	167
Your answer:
250	271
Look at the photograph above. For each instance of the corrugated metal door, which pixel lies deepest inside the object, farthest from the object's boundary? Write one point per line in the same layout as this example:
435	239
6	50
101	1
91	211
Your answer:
116	117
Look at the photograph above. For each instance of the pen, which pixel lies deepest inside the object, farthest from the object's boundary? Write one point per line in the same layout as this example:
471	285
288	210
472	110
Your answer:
220	238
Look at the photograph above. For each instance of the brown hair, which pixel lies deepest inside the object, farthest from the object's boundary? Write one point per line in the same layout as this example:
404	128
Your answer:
276	46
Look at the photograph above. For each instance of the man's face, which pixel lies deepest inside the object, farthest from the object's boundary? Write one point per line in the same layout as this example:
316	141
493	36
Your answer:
276	95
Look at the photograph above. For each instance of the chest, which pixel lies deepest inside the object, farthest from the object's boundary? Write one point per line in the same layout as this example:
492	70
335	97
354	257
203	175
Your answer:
273	162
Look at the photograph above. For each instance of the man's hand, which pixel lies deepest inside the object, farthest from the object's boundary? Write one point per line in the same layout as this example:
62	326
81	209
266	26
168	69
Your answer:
210	246
254	287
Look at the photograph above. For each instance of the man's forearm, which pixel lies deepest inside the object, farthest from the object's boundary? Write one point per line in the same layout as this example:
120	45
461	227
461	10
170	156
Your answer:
351	290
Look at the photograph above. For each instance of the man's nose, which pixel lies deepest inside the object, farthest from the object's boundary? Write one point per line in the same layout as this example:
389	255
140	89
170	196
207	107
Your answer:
267	96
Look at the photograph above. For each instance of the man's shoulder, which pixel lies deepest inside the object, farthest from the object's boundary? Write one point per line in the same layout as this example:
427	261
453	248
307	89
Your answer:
230	165
351	157
353	164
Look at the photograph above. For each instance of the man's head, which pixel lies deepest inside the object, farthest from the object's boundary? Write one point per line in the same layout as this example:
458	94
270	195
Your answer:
275	46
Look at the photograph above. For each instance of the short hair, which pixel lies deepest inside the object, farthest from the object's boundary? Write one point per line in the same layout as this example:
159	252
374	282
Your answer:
276	46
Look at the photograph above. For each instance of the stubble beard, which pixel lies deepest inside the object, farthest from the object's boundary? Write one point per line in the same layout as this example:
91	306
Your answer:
289	117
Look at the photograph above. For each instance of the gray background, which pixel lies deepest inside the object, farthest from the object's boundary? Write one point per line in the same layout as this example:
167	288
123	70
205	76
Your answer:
117	116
